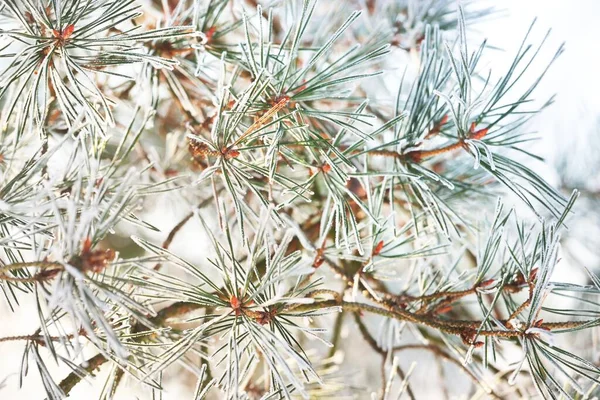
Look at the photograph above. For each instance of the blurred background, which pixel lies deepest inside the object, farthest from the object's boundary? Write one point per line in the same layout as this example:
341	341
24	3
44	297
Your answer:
569	133
569	130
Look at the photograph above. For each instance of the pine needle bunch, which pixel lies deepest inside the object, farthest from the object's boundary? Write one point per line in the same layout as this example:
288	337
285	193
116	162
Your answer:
333	199
61	46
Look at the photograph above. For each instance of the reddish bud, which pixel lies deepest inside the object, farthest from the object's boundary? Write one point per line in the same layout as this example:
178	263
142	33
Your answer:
444	309
210	33
64	34
319	259
95	260
236	305
229	154
171	172
68	31
378	248
486	283
533	275
234	302
86	246
480	134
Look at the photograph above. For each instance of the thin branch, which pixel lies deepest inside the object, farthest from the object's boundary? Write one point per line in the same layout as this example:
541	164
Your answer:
48	271
451	327
373	344
441	353
92	364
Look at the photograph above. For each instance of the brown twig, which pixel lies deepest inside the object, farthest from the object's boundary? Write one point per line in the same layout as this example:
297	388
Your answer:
172	233
48	270
418	155
94	363
39	339
460	328
175	230
442	354
373	344
174	310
